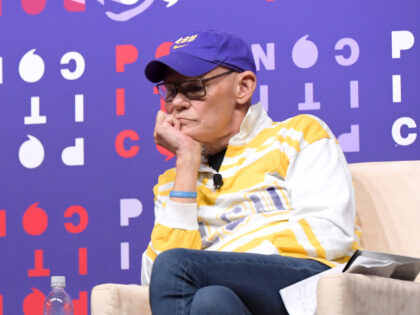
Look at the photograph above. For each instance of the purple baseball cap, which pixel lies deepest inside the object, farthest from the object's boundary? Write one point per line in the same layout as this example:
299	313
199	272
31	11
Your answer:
198	53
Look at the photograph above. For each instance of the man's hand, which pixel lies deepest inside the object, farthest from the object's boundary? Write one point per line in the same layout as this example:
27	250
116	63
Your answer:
188	153
168	134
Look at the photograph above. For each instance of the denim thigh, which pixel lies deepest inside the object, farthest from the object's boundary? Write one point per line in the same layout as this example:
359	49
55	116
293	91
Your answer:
256	279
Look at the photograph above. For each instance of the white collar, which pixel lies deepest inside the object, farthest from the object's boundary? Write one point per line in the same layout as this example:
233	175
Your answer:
254	121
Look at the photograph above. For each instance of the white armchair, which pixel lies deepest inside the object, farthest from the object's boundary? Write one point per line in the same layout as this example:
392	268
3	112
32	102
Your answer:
388	209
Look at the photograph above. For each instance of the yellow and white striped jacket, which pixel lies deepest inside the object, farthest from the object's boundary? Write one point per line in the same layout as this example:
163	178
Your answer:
287	190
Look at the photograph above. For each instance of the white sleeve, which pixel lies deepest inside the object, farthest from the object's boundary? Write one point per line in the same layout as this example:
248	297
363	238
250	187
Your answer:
178	215
322	194
146	269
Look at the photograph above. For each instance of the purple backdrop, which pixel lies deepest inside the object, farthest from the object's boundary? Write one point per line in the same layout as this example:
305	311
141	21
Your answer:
77	157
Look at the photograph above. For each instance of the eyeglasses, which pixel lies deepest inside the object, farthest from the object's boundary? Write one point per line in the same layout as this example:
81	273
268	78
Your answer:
194	89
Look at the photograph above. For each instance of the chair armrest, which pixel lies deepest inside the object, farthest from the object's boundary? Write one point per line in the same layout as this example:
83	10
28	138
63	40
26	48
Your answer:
120	299
351	294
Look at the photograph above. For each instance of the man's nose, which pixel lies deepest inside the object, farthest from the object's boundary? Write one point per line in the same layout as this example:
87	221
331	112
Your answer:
180	102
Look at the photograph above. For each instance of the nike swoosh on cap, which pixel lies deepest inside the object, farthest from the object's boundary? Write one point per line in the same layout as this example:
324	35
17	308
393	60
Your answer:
179	46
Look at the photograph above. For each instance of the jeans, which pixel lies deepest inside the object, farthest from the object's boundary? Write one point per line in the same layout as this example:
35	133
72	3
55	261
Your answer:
186	281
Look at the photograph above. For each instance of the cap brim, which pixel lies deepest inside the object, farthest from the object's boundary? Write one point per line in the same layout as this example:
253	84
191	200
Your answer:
184	64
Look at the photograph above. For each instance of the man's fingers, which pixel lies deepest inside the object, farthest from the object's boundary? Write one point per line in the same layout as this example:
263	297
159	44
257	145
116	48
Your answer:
162	134
176	123
160	117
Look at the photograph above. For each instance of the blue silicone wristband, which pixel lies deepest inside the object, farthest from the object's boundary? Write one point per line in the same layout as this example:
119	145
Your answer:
183	194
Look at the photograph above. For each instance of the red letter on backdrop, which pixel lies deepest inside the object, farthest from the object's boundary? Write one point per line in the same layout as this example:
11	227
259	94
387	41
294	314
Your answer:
82	261
74	5
162	50
119	143
1	299
83	219
80	306
33	6
39	270
2	224
125	54
35	220
169	155
120	102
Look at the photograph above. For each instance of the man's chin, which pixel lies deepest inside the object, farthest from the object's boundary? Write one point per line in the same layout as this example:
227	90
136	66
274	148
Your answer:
190	132
187	130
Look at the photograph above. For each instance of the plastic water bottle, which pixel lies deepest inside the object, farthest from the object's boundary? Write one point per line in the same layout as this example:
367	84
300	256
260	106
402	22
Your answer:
58	302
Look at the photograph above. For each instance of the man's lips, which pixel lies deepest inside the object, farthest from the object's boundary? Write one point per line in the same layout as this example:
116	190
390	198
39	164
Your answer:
182	119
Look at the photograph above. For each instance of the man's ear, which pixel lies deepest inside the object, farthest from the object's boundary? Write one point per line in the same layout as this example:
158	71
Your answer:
246	84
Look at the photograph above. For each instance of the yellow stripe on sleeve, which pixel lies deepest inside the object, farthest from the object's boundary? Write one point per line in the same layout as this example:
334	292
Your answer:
311	128
320	251
164	238
151	253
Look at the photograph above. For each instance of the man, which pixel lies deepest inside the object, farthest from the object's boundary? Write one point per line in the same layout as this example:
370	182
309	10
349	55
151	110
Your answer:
252	205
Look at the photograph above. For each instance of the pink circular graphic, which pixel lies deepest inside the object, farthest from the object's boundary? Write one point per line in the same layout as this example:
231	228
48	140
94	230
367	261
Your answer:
33	6
35	220
33	303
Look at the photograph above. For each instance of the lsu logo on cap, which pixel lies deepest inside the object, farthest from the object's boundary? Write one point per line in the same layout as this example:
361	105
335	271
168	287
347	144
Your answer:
184	41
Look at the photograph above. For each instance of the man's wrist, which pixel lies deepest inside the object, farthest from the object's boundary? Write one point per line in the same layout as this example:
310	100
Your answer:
188	160
183	194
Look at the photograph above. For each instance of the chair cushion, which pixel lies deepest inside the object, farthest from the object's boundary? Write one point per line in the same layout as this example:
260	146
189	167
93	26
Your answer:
351	294
120	299
388	205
